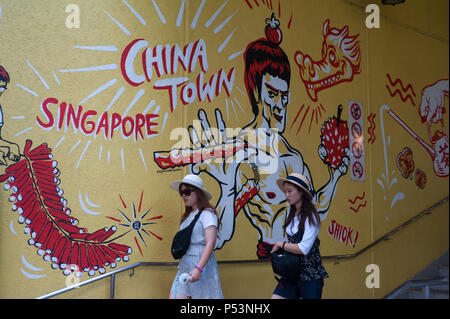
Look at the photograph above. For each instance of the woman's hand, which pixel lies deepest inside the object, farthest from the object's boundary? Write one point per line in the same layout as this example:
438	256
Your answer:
278	245
195	275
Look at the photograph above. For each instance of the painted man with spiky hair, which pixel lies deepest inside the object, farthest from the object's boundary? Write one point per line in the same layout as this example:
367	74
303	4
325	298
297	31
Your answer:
249	184
8	150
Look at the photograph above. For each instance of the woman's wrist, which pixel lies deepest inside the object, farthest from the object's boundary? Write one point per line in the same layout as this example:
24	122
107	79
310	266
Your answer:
198	268
284	243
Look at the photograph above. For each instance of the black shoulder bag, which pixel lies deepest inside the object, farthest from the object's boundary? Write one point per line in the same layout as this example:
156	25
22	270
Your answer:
286	264
182	239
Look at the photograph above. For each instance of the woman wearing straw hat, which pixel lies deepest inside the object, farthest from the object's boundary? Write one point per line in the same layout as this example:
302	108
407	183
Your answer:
199	261
301	227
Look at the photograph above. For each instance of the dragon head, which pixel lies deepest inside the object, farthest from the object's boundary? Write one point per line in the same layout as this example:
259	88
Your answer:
340	61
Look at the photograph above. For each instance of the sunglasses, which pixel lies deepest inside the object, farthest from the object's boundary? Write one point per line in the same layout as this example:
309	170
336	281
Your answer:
185	192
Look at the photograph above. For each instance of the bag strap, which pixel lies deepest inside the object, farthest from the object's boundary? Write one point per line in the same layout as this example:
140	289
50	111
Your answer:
301	227
298	236
195	219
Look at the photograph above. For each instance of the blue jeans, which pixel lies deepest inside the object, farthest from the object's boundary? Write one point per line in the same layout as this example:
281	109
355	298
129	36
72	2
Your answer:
291	289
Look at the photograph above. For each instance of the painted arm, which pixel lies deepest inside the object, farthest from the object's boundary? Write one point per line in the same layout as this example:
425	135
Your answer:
8	150
225	208
234	190
323	197
233	199
225	175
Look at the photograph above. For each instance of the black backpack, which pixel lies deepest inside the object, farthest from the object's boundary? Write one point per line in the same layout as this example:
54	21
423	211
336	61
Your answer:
182	239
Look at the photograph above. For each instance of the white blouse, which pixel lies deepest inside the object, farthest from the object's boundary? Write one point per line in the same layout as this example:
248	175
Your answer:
198	240
309	236
207	218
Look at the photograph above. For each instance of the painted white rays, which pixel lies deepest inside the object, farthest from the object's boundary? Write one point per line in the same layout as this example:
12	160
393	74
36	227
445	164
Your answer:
29	268
217	22
33	92
87	206
209	22
216	30
105	88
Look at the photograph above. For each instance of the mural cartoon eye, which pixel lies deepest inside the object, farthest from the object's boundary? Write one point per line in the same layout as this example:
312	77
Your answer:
332	57
312	70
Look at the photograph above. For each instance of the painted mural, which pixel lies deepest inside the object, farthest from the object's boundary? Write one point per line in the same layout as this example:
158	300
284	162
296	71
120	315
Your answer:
248	182
112	111
340	61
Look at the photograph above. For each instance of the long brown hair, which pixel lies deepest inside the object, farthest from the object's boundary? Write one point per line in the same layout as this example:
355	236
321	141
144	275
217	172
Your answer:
202	203
308	210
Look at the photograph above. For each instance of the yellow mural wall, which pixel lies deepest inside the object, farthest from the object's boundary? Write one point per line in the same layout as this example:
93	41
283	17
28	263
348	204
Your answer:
100	97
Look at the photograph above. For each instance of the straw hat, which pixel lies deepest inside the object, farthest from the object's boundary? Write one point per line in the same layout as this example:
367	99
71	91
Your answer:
193	180
298	180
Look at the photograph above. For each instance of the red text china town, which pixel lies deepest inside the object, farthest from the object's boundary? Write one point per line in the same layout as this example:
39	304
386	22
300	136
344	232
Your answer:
141	63
139	60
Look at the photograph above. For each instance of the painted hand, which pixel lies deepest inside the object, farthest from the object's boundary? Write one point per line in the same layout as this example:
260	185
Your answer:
14	152
9	151
343	167
233	150
4	155
432	104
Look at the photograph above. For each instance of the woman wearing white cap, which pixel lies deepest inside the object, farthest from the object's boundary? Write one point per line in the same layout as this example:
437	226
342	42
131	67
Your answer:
199	261
302	228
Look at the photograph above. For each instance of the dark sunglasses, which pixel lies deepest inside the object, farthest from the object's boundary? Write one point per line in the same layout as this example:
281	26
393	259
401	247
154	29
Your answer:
186	192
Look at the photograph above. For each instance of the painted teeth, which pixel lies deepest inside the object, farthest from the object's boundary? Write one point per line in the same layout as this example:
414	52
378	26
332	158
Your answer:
327	82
